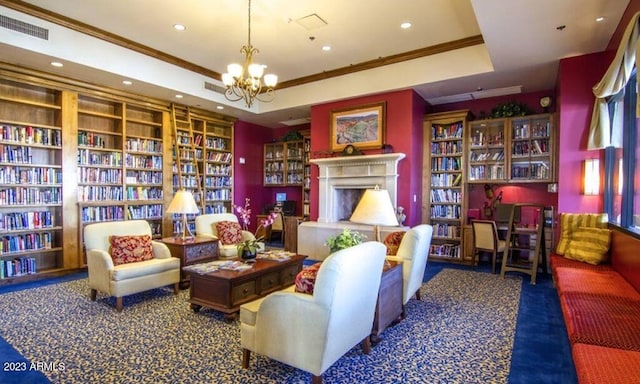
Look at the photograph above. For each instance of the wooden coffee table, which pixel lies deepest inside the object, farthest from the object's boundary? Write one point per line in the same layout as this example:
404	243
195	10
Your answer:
389	309
226	291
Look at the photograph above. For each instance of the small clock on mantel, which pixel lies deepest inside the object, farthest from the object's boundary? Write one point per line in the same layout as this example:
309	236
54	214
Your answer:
351	150
545	102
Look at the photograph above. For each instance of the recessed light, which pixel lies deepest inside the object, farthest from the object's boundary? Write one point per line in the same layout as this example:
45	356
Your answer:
405	25
179	27
57	64
600	19
127	82
179	96
326	48
219	107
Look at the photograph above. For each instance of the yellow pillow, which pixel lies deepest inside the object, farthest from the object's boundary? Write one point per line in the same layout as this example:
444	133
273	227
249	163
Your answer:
570	222
590	245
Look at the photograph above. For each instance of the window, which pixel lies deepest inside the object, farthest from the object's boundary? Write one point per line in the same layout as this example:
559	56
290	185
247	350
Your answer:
622	196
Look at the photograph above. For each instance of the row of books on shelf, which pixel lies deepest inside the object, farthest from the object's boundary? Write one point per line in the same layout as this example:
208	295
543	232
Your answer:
99	175
150	211
107	213
217	143
99	193
217	169
532	171
30	175
185	167
446	230
536	148
486	172
481	138
446	180
445	211
445	196
219	157
16	154
143	161
91	139
523	131
446	147
143	177
143	145
14	221
453	251
486	156
216	208
144	193
218	194
26	242
446	163
89	157
30	196
32	135
186	181
17	267
217	182
447	131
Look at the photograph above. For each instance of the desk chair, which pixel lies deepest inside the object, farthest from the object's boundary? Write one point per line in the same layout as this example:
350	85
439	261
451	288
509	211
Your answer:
278	227
485	238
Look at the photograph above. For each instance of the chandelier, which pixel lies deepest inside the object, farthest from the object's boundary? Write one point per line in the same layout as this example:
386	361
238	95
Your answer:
245	82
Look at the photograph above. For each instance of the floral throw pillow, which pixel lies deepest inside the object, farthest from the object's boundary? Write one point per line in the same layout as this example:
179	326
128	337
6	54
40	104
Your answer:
131	249
229	232
306	279
392	241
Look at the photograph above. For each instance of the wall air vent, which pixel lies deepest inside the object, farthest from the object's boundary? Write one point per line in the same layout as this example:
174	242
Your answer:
22	27
214	88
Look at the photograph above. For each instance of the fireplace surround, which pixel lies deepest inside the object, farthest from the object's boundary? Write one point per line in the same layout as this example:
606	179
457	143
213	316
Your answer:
341	182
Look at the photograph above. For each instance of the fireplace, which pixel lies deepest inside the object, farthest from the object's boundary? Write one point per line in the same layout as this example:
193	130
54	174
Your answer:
342	180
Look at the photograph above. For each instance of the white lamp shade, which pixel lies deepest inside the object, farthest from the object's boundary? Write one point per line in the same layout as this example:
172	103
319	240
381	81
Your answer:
227	79
256	70
375	208
235	70
183	202
591	177
270	80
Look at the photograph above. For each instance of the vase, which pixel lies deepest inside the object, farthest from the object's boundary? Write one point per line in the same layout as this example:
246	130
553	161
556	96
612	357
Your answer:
247	255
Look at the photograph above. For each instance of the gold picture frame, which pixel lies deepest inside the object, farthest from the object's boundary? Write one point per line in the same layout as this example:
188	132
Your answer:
362	127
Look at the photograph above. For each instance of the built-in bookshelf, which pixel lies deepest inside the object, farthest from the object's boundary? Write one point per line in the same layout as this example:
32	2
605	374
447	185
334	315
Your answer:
444	177
532	149
487	157
202	161
284	163
31	184
306	182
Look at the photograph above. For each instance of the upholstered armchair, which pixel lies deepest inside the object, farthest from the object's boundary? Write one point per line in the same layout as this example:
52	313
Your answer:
122	259
207	225
311	332
413	253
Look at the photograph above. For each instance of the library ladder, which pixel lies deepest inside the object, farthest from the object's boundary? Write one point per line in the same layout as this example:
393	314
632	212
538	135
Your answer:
525	248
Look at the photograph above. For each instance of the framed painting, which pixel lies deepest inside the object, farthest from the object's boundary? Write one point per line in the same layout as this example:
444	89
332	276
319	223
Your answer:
362	127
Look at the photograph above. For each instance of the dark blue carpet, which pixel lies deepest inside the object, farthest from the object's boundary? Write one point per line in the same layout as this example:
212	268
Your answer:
541	352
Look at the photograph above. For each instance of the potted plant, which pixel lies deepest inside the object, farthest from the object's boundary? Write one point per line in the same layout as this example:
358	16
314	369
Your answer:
347	238
248	249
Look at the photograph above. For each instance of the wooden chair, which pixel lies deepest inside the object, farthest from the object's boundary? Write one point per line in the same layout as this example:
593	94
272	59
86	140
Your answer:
485	239
278	228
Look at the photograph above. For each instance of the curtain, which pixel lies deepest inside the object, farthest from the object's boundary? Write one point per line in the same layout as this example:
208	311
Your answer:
601	133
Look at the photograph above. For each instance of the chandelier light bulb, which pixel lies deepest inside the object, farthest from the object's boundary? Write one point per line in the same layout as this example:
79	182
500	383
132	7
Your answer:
270	80
256	70
227	79
235	70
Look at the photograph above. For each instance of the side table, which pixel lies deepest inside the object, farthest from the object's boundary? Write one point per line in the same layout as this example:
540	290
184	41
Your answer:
389	308
191	251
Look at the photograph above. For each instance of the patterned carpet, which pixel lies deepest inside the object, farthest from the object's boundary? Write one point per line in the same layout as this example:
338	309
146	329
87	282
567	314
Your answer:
461	331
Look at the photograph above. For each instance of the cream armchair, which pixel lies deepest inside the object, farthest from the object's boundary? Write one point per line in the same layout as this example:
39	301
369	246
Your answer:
206	226
311	332
126	279
413	253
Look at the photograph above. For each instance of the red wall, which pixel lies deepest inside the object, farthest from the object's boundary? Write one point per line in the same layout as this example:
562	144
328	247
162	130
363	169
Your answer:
404	112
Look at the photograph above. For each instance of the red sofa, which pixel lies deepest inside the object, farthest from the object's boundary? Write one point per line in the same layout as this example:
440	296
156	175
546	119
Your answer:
601	309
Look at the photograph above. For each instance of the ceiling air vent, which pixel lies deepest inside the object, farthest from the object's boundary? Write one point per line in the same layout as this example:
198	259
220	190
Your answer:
214	88
22	27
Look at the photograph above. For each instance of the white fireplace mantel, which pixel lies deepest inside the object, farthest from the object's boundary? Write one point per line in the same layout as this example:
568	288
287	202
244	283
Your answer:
364	171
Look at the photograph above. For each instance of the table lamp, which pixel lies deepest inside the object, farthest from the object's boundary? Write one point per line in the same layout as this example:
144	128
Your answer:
375	209
184	204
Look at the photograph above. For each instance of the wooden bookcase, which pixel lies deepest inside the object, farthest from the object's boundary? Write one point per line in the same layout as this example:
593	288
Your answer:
306	183
532	149
284	163
443	180
487	151
33	192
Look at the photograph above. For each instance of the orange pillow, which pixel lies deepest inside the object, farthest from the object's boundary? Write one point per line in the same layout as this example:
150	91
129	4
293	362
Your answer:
131	249
392	241
306	278
229	232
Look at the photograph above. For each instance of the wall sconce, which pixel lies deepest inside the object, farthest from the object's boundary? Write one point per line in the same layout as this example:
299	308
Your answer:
591	178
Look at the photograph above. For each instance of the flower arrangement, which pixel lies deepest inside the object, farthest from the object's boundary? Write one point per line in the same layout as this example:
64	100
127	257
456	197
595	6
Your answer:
347	238
244	213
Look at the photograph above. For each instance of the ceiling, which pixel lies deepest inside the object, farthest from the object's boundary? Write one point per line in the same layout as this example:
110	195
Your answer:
455	49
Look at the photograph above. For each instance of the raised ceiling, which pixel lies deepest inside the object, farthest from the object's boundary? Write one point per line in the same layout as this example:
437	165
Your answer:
454	47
